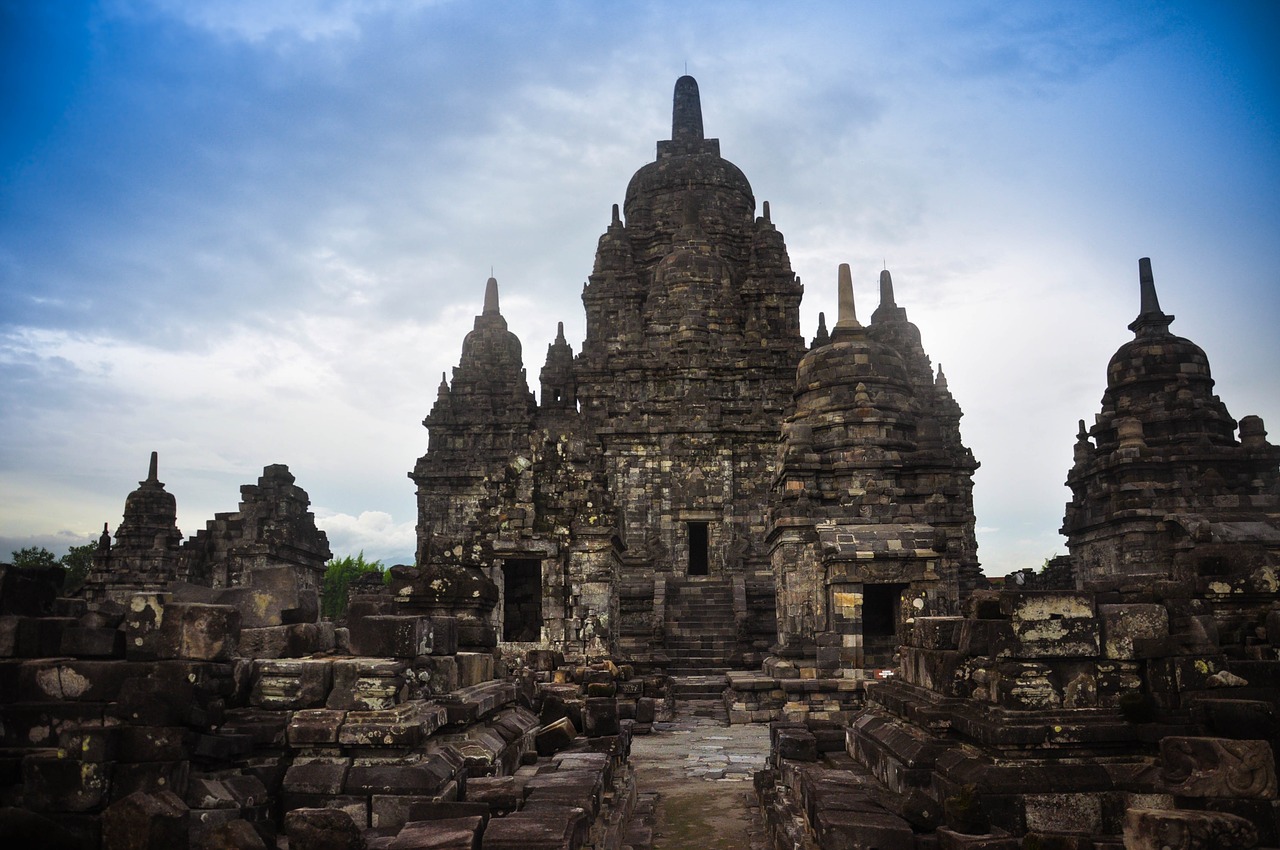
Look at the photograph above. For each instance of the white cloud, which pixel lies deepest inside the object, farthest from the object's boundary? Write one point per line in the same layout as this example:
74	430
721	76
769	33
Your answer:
375	533
254	21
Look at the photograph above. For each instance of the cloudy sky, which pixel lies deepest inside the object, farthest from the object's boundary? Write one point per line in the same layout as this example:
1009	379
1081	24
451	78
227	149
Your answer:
242	233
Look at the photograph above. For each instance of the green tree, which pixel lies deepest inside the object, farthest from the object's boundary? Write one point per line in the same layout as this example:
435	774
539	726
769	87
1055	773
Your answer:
34	556
338	575
77	562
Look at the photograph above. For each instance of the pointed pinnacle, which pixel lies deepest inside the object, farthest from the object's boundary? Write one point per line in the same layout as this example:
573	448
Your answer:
886	289
848	316
686	111
491	296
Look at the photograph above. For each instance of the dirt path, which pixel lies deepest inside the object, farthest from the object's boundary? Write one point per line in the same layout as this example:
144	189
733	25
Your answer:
696	774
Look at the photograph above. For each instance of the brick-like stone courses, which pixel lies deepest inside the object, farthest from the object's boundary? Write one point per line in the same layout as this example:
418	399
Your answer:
668	417
1133	706
1161	485
874	493
272	528
177	739
146	553
1055	715
479	424
271	544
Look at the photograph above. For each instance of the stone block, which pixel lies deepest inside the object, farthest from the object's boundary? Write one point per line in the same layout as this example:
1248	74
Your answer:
567	786
80	642
367	684
152	701
51	783
461	833
428	777
1126	627
289	683
322	829
474	668
561	828
96	743
600	716
404	725
280	598
841	829
149	776
937	632
1052	637
314	727
1238	718
296	640
1152	829
317	775
500	794
433	676
200	631
1218	767
796	743
143	628
555	736
445	639
469	704
154	743
235	834
142	821
395	636
543	660
1025	686
1065	812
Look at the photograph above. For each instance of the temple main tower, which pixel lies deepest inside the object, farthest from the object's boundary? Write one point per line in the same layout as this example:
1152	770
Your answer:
646	463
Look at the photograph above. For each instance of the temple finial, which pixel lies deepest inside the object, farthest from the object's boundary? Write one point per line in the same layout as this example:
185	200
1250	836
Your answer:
822	337
941	382
848	317
491	296
560	332
686	111
617	219
1151	321
1147	284
766	211
443	389
153	472
886	289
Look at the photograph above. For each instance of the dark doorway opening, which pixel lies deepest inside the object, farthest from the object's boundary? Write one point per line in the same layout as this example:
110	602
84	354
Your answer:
522	599
881	605
699	556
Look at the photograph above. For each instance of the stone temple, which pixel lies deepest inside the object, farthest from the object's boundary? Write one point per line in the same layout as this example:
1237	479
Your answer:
701	514
697	467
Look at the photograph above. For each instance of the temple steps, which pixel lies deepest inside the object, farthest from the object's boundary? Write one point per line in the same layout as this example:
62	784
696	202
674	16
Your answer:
700	627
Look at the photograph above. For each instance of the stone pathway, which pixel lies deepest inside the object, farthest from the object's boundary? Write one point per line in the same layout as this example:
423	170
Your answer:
694	780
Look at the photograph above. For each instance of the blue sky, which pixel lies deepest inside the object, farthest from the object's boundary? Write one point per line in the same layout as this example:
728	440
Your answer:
243	237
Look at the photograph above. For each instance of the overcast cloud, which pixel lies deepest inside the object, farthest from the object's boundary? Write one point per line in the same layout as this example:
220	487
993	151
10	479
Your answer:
241	233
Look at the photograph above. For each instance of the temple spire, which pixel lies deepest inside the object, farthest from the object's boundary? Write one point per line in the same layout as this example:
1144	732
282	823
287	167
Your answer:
1151	321
886	289
560	333
686	111
491	297
153	471
822	337
848	317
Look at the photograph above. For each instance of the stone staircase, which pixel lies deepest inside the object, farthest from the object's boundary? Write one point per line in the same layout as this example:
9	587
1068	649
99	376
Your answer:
701	636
